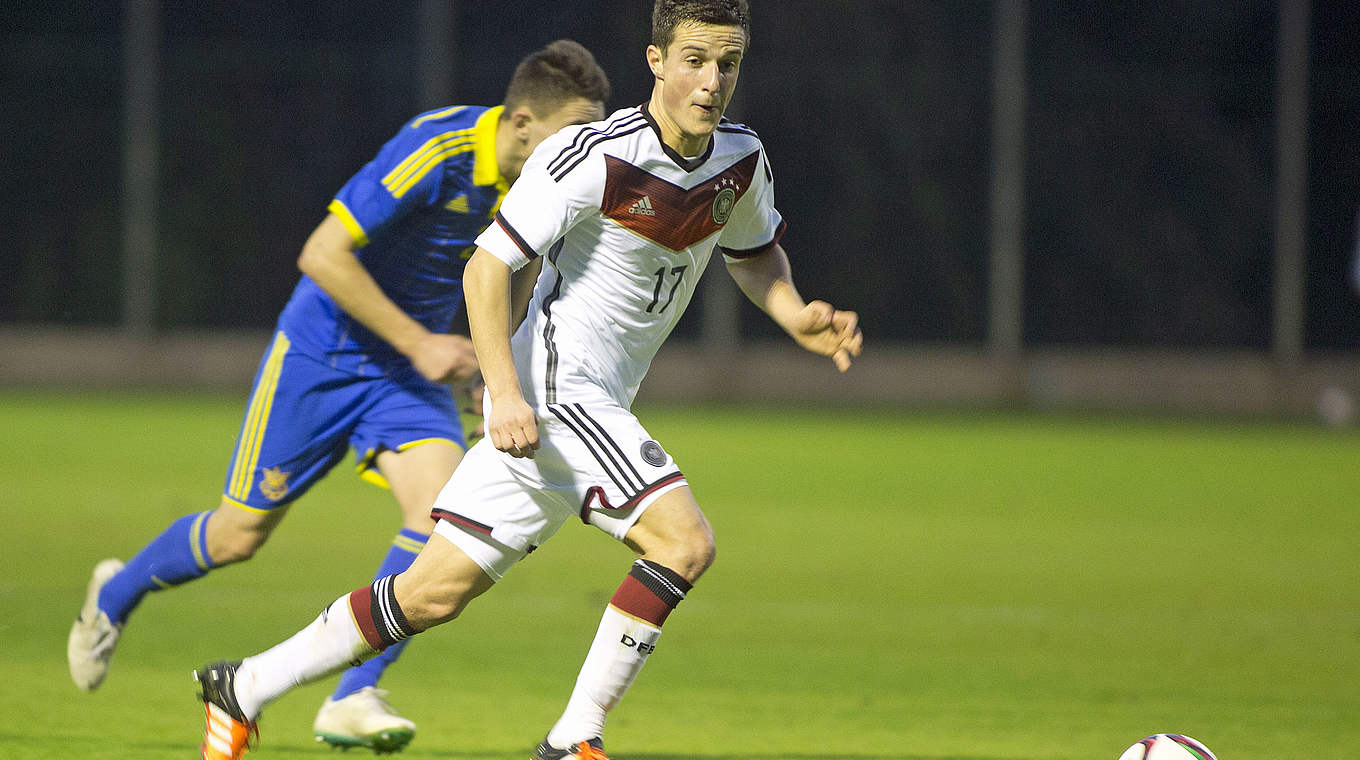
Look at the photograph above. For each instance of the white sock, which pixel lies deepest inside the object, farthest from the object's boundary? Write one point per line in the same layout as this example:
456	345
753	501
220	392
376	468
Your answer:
622	644
327	645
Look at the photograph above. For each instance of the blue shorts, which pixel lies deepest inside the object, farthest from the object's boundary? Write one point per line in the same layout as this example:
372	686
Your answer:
303	415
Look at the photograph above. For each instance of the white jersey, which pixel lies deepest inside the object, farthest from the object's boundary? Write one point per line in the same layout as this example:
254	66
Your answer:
626	226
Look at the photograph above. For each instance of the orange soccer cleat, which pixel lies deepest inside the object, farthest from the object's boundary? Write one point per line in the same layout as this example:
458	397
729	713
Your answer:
227	734
591	749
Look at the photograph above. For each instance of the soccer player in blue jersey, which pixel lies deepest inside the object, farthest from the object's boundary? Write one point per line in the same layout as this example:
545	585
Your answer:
361	359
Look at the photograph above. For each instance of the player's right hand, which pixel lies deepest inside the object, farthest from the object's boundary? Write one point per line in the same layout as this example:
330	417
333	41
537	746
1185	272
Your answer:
445	358
512	427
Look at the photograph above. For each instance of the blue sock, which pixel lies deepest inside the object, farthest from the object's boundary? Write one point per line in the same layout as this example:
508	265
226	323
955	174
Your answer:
403	552
178	555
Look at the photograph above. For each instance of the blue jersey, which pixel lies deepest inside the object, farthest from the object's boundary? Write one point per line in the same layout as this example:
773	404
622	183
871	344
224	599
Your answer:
414	212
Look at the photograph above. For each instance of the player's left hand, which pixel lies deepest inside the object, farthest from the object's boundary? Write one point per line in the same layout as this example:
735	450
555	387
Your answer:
826	330
445	358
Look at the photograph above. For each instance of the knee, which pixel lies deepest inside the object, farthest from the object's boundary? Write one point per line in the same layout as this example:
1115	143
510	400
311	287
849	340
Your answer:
235	546
233	536
690	556
702	553
427	603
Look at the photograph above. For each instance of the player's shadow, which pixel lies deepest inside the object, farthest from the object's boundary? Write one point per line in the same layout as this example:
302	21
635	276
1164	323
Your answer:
291	749
287	749
727	756
800	756
807	755
730	756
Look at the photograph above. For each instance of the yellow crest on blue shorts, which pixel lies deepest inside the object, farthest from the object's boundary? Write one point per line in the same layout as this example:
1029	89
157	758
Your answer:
275	483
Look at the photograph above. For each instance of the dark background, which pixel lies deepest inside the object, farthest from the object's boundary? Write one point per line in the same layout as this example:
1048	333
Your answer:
1149	162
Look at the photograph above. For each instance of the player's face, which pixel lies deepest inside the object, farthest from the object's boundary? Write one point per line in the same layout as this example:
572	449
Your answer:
695	80
574	111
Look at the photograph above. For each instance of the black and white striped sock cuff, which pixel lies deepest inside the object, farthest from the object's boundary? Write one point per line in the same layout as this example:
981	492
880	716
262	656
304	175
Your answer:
667	584
387	614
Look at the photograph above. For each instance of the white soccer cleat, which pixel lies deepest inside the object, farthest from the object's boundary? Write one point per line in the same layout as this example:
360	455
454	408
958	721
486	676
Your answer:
363	719
89	648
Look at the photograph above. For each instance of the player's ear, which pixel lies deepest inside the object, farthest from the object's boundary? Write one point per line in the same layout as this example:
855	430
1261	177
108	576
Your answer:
654	60
520	119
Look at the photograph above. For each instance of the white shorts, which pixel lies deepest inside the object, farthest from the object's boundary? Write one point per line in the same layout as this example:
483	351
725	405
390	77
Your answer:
596	463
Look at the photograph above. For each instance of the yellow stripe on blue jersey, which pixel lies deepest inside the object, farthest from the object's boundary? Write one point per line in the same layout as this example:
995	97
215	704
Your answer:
430	163
435	115
404	166
343	213
428	156
257	420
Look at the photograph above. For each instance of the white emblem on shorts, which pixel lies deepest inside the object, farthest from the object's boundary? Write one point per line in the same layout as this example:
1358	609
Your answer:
653	454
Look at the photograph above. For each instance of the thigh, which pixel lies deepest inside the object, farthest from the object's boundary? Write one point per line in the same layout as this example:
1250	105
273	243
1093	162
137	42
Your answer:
673	518
506	500
613	469
295	429
416	475
403	413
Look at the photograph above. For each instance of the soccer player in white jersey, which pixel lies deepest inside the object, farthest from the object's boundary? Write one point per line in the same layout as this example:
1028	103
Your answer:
612	224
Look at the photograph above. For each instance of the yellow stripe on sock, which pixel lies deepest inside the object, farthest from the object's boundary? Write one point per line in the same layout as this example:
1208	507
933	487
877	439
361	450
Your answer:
409	544
196	540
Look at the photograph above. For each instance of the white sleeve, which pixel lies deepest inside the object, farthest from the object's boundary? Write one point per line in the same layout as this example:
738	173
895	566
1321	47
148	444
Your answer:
539	210
755	224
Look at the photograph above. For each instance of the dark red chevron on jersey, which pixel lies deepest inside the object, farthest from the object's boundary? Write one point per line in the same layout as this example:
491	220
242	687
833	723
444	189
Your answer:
668	214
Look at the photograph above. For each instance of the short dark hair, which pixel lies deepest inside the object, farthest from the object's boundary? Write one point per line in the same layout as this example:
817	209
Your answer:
669	14
546	79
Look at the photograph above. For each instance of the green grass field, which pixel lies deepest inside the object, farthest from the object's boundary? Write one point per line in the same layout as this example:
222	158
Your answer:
889	585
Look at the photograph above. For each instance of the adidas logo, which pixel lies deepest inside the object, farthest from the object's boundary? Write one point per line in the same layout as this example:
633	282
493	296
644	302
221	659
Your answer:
642	206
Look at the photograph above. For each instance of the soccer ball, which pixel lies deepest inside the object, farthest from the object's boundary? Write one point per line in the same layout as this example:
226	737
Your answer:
1168	747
